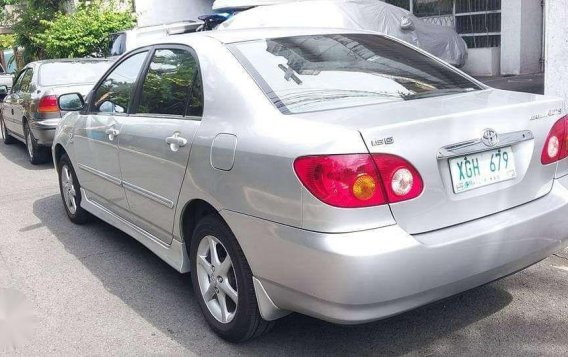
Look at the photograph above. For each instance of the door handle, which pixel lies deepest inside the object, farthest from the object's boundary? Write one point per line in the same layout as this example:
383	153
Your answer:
176	141
112	133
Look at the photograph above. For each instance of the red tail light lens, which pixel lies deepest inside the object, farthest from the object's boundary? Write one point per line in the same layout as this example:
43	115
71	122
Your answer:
341	180
401	180
556	144
48	104
351	181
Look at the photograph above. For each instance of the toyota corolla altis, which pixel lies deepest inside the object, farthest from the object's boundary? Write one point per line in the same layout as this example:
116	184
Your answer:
340	174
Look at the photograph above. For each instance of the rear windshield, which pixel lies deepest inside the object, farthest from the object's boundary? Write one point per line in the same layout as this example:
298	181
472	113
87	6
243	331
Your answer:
321	72
62	73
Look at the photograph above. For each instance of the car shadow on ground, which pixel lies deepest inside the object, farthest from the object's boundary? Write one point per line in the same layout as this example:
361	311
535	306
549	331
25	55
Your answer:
165	299
18	154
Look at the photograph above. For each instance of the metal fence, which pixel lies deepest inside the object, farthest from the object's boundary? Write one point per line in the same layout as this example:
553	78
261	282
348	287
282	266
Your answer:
444	20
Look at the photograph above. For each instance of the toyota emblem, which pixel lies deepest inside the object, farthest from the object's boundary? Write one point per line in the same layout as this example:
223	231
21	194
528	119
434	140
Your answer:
490	137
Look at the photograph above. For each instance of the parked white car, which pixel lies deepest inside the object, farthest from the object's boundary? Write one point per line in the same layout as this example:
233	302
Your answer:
6	79
127	40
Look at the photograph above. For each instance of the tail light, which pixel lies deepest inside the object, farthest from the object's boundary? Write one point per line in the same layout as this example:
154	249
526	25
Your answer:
48	104
401	180
359	180
556	144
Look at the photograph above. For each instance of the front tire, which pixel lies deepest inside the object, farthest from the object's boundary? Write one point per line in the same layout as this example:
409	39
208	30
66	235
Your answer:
71	191
222	282
36	153
6	137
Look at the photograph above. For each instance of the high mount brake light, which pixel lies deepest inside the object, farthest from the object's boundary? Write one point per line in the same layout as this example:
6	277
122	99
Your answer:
359	180
556	144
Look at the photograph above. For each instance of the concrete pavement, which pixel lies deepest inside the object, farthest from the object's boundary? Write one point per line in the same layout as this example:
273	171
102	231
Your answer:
530	83
92	290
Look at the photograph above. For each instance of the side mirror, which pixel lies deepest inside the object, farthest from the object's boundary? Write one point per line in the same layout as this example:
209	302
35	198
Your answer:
71	102
3	89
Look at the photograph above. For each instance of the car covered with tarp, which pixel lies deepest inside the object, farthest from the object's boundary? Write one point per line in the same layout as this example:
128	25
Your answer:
442	42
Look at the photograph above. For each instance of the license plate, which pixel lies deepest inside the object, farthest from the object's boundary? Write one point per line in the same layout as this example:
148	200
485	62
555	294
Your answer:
482	169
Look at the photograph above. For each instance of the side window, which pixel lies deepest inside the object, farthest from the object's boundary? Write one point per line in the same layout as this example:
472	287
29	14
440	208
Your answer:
27	80
18	84
168	83
114	94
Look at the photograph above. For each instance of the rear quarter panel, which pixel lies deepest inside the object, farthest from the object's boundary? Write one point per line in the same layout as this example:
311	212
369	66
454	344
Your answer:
262	182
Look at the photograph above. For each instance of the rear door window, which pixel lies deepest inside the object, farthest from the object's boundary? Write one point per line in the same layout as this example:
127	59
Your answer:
321	72
18	82
169	81
26	81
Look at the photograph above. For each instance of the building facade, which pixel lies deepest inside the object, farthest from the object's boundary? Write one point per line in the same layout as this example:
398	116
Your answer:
556	75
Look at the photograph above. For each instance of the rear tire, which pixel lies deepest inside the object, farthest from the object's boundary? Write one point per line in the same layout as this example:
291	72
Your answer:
71	191
214	281
6	137
37	154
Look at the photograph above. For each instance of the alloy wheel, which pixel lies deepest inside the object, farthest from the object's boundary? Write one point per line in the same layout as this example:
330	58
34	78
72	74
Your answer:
68	189
29	144
216	279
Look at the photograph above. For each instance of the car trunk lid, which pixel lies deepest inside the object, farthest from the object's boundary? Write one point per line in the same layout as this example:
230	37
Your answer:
425	132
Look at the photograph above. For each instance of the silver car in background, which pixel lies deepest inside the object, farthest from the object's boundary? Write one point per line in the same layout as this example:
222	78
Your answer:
340	174
30	113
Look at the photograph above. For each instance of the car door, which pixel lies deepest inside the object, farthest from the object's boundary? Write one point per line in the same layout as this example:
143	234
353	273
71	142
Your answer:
12	108
155	141
96	135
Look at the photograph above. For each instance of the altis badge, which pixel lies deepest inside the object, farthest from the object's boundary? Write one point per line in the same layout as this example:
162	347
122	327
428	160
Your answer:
384	141
550	113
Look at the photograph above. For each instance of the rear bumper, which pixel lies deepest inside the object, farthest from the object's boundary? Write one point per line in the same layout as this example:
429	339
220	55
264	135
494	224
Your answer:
364	276
44	130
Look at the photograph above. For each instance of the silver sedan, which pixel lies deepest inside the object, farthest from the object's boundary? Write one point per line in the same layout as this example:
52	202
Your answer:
340	174
29	112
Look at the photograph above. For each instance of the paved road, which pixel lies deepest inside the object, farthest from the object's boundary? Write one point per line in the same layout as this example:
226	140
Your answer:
530	83
93	290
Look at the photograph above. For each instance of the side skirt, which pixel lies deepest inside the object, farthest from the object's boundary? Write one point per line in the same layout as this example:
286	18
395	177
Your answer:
174	254
17	136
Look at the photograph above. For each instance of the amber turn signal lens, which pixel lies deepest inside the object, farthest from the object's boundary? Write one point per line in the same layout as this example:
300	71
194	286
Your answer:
364	187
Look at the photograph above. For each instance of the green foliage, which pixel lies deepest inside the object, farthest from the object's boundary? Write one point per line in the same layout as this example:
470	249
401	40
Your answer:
83	32
3	15
7	41
29	21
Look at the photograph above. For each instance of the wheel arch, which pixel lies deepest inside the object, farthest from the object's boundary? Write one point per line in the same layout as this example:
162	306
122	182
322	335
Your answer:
197	209
59	150
192	212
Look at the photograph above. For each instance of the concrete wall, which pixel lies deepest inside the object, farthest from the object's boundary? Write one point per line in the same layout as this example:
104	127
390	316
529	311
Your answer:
483	61
155	12
521	36
556	65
